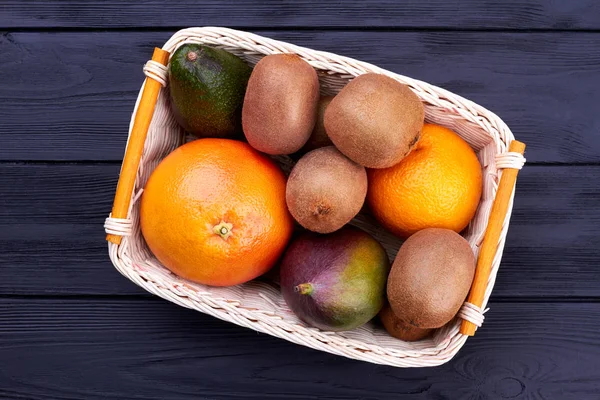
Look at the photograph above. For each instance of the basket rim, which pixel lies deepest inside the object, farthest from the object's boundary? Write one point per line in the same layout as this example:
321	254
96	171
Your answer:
176	290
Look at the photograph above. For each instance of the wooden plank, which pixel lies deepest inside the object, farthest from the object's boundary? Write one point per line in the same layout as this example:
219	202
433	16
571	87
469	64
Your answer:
58	258
74	99
52	241
462	14
150	349
52	236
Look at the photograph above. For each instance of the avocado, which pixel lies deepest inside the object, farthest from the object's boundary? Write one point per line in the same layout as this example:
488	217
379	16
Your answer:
207	88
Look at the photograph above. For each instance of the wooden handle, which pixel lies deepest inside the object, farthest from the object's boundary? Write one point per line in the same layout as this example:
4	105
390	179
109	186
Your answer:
135	146
492	235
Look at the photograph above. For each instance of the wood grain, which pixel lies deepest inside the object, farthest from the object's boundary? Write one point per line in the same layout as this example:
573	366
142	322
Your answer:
52	240
462	14
151	349
74	99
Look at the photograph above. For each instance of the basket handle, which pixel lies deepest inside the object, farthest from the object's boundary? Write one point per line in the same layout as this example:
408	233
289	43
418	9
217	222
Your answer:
491	237
135	145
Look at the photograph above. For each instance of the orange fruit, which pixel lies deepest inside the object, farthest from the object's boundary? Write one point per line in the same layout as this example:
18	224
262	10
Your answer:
437	185
214	212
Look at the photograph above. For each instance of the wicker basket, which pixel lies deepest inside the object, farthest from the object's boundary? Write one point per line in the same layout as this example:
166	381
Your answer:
259	305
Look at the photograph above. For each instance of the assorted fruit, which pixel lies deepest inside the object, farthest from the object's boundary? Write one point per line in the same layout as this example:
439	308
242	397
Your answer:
220	211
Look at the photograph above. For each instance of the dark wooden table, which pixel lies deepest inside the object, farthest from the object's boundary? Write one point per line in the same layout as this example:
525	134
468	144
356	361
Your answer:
72	328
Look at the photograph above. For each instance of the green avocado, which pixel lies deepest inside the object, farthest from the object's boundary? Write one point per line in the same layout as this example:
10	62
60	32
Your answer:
207	88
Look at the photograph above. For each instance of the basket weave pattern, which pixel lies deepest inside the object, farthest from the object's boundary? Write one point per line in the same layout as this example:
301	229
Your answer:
258	304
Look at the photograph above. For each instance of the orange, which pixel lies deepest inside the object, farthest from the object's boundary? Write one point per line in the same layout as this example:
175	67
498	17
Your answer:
214	212
437	185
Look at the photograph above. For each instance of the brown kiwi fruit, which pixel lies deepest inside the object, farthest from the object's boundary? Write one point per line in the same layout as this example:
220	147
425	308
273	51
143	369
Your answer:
318	138
325	190
280	105
399	329
431	277
375	120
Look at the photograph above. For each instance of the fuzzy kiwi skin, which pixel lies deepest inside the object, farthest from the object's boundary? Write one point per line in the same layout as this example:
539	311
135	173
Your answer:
375	120
399	329
431	277
318	138
325	190
280	105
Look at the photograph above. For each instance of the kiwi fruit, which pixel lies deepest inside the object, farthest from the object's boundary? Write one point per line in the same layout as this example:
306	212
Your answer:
399	329
430	277
280	105
325	190
375	120
318	138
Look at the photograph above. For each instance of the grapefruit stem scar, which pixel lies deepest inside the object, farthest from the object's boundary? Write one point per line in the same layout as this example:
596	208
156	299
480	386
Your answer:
304	288
223	229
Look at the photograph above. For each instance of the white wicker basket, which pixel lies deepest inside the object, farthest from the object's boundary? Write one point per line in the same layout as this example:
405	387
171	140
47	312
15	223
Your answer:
259	305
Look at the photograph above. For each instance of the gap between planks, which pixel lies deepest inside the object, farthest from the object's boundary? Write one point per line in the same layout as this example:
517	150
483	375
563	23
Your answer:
8	29
148	296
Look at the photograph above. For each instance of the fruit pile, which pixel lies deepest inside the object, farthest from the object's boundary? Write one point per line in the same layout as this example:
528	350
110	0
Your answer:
220	211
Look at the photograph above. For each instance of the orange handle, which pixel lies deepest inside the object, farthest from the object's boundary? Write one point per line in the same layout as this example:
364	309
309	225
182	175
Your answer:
492	235
133	153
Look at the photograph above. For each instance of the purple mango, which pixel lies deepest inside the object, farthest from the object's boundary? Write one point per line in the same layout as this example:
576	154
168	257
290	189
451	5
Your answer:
335	282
